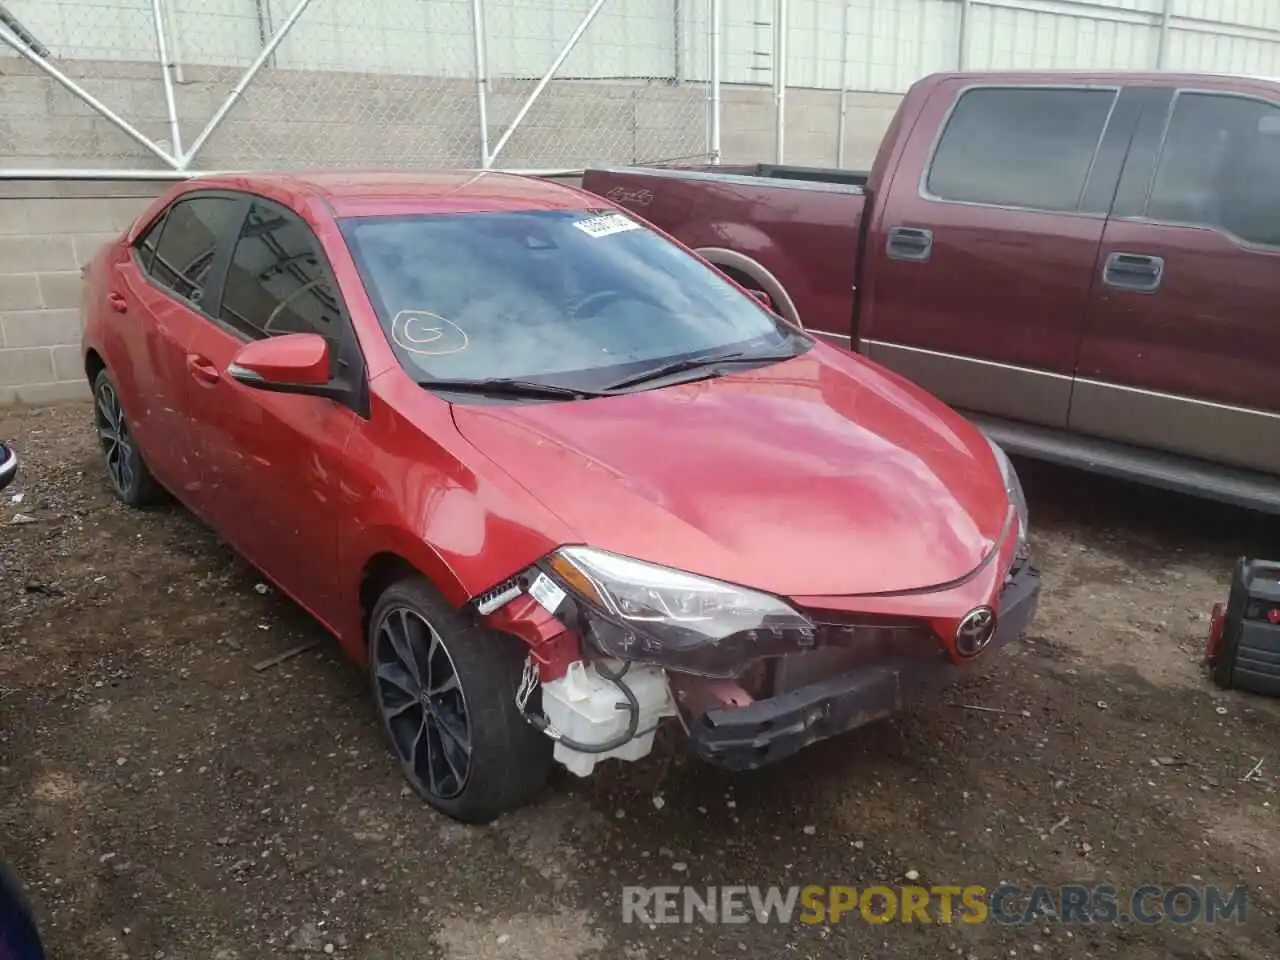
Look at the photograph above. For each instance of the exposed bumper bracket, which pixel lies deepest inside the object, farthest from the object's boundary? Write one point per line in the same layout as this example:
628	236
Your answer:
766	731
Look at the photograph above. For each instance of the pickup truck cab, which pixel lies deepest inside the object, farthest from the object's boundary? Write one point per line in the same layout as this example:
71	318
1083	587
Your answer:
1086	264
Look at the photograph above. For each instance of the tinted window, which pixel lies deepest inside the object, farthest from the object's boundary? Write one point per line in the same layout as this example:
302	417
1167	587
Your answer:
1020	147
188	242
531	294
146	244
277	281
1219	165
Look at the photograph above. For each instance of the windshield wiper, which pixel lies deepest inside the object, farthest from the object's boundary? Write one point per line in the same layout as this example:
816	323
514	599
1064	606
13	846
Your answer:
695	363
508	387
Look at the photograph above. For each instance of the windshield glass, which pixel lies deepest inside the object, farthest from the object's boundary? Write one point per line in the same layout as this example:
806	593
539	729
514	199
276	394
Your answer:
576	297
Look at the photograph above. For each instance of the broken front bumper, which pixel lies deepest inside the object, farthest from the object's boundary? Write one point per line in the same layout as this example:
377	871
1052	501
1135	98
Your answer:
766	731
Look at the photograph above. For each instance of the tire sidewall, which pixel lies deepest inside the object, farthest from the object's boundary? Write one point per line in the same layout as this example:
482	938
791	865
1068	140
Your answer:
137	492
510	759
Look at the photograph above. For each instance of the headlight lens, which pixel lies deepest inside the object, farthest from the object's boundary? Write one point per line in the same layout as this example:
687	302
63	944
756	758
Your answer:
642	611
1013	486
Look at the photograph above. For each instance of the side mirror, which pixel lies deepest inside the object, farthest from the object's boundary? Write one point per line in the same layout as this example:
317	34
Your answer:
8	466
292	363
762	297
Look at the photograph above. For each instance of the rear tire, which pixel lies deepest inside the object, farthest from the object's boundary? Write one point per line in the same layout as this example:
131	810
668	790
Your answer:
446	694
130	479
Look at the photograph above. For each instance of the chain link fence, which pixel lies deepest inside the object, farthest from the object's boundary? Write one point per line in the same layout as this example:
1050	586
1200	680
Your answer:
350	83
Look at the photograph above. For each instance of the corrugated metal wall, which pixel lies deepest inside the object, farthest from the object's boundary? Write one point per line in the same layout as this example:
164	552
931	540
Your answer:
888	43
629	38
891	43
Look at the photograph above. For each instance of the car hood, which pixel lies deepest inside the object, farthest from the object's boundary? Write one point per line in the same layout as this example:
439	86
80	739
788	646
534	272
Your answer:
820	475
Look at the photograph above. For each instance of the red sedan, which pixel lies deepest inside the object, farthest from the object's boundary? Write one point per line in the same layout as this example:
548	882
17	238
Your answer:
553	478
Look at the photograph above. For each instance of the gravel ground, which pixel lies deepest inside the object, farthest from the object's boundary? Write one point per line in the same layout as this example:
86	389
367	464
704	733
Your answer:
162	798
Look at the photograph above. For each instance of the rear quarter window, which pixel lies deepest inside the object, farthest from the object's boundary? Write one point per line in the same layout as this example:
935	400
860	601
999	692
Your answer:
188	242
1020	146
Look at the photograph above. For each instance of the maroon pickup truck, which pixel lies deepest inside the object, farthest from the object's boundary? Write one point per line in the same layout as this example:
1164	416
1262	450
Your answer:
1087	264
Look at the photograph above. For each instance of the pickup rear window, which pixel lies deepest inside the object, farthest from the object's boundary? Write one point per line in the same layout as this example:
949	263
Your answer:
1020	147
1218	167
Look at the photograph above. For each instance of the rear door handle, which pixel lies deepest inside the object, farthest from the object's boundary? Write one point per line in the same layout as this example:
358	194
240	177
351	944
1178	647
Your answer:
117	302
202	368
909	243
1139	272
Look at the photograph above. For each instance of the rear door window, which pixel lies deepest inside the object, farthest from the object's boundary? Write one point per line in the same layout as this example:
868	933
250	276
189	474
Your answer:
1026	147
188	243
1219	165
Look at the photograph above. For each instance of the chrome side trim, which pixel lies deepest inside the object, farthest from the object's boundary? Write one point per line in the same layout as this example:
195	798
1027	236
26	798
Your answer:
243	374
1218	432
986	386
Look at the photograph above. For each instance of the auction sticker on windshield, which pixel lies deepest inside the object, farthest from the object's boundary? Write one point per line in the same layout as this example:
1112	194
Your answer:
607	224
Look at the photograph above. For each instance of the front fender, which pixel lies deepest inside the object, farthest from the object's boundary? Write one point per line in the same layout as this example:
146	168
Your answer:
417	490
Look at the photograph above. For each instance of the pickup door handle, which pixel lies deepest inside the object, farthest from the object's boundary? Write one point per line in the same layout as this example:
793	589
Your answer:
909	243
117	302
1133	271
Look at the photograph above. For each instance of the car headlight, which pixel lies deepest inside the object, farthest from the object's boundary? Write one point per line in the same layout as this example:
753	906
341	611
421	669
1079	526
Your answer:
1013	487
641	611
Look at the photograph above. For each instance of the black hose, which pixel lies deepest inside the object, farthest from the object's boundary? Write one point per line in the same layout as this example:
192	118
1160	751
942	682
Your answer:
633	720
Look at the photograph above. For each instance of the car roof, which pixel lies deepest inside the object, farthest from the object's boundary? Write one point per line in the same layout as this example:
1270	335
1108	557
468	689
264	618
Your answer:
355	193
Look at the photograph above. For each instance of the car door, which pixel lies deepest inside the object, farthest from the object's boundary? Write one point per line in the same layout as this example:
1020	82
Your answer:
1180	351
980	257
159	291
273	462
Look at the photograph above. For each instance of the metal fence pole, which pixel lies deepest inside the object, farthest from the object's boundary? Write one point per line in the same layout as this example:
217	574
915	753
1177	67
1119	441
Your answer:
962	35
1162	44
547	77
238	90
780	79
714	140
125	127
166	72
844	83
479	37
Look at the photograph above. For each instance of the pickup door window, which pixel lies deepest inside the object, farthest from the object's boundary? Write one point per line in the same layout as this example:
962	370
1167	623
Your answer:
1027	148
980	260
1181	349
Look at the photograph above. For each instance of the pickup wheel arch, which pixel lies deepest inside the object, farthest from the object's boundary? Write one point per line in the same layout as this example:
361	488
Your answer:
751	273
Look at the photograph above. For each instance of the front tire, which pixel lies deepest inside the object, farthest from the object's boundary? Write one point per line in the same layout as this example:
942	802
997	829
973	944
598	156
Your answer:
131	481
446	694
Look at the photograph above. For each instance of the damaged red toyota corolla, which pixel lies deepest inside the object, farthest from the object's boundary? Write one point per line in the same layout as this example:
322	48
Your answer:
554	478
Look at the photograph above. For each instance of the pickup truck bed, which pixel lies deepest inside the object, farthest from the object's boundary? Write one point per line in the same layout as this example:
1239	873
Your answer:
796	240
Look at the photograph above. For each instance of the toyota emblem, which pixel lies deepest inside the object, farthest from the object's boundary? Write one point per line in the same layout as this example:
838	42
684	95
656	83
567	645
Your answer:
975	631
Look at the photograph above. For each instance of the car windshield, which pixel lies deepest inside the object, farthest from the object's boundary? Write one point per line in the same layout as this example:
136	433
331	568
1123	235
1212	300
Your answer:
581	298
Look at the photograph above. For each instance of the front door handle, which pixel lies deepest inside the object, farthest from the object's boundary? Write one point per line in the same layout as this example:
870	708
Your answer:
202	368
1139	272
909	243
117	302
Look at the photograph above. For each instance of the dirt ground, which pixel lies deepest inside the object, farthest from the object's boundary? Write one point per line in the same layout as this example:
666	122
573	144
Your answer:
161	798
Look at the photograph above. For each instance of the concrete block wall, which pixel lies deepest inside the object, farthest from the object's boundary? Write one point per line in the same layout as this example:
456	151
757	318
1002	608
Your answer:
48	230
